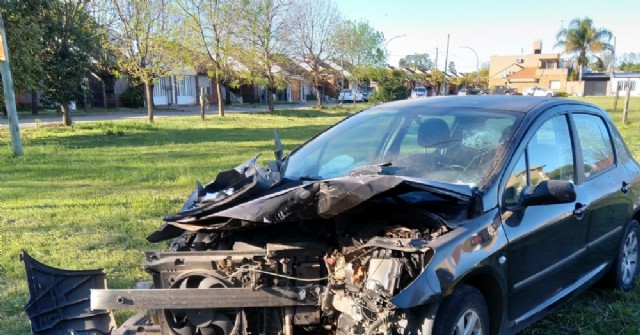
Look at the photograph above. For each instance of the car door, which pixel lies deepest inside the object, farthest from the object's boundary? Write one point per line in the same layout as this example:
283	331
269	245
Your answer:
546	249
606	182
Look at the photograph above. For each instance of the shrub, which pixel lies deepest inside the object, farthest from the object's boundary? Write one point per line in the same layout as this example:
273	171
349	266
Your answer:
562	94
133	97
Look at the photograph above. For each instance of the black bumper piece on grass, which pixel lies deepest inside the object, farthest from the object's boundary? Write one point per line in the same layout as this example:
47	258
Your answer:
59	300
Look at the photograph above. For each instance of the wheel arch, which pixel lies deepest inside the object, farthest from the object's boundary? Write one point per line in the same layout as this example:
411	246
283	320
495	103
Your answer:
489	286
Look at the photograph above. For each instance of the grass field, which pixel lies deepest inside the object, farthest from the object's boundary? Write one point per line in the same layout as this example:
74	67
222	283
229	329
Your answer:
85	197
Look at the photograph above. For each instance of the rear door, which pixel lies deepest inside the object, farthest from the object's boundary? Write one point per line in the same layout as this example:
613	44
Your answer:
606	182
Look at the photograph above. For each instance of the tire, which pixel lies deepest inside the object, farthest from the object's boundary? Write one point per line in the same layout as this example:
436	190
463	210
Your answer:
463	312
625	267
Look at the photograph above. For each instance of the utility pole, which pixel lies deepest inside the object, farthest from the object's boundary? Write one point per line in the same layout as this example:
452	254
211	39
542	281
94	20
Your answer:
9	95
436	65
445	89
611	68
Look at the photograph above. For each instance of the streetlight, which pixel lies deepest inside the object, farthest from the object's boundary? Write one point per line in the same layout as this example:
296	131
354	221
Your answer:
391	39
477	63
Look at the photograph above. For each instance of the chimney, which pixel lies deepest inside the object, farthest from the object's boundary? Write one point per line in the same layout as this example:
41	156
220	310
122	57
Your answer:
537	47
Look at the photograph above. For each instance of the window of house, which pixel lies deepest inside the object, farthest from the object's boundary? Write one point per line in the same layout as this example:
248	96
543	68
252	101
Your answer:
162	88
622	85
205	82
554	84
597	150
548	64
185	85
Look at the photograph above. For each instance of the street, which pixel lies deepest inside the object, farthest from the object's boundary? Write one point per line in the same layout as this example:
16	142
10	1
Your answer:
79	116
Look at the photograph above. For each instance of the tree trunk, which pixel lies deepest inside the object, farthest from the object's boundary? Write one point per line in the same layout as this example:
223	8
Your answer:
34	102
202	103
219	94
149	98
318	96
66	117
270	100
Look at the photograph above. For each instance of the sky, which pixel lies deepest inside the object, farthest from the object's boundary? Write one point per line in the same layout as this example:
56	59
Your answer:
489	27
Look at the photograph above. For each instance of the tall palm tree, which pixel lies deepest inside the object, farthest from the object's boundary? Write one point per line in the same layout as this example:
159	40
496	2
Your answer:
583	39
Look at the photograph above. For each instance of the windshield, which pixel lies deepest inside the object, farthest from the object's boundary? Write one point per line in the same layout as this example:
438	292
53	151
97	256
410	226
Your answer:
442	144
421	90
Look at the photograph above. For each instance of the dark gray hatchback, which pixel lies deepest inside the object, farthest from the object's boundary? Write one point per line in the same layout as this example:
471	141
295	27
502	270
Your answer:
448	215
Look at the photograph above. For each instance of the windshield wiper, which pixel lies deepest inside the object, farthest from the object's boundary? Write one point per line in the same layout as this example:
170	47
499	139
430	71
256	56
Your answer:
309	178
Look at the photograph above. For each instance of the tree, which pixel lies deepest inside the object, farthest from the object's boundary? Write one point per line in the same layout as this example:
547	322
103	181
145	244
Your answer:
584	40
140	39
420	62
266	47
73	41
452	68
210	27
630	62
358	48
24	22
311	25
391	84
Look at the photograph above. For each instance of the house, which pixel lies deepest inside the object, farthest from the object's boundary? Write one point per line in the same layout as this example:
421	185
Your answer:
535	69
622	80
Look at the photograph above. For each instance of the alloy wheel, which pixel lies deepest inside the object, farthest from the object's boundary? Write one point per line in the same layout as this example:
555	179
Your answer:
469	324
629	258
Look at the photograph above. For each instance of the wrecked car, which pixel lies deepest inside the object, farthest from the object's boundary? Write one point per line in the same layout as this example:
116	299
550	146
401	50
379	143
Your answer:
474	215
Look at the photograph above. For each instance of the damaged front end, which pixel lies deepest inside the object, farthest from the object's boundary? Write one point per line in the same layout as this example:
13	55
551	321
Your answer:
253	254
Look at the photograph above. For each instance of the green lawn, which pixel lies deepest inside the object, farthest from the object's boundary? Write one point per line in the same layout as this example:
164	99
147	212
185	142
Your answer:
86	197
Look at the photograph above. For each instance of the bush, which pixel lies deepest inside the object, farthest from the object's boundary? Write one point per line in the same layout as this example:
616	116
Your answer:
311	97
562	94
133	97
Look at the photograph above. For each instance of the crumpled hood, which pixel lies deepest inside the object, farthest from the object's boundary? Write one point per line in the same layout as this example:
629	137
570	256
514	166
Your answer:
244	197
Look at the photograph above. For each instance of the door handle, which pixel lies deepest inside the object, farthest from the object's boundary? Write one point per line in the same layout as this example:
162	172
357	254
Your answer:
580	210
625	187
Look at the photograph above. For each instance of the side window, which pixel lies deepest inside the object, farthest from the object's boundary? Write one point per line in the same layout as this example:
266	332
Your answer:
550	152
516	183
550	156
597	150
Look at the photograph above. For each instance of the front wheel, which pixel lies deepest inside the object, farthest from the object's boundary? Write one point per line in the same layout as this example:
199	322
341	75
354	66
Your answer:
626	265
463	312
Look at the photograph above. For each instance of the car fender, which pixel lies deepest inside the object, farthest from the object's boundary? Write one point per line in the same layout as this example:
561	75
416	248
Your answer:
477	246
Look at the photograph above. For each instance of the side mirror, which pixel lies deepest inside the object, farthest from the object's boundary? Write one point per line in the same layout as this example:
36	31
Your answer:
549	192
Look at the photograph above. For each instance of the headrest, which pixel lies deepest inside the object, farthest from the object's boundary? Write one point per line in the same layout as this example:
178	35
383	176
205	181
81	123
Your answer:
433	133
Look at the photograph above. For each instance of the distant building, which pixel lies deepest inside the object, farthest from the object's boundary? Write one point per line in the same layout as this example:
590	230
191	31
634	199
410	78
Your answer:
622	80
524	71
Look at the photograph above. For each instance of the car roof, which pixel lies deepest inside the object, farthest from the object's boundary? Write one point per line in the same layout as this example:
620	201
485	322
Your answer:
518	103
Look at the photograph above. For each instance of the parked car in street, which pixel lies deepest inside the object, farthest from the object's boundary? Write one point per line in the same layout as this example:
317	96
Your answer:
504	90
348	94
447	215
367	91
418	92
538	92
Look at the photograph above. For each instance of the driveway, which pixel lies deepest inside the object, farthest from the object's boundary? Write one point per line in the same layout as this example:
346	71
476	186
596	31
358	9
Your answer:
28	120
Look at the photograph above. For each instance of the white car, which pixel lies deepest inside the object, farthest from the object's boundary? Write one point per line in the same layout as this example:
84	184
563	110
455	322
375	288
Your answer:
418	92
348	94
538	92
